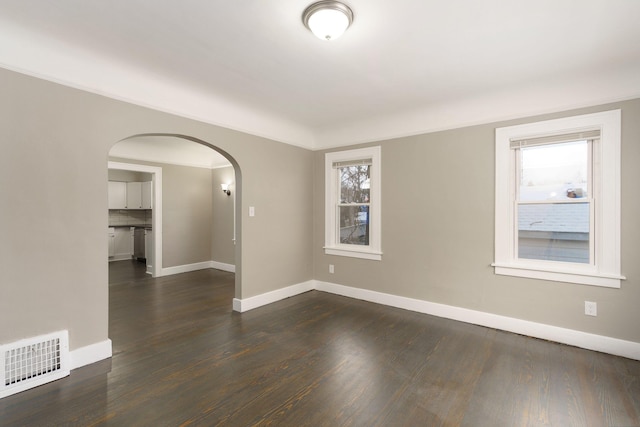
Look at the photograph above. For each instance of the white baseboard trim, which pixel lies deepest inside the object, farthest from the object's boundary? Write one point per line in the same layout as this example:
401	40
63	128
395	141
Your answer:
572	337
90	354
222	266
186	268
246	304
168	271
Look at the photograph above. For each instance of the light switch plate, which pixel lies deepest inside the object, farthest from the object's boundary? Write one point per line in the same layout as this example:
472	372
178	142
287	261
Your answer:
252	211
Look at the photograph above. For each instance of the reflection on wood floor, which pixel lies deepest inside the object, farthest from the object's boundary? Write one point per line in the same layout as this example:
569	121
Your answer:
127	271
182	357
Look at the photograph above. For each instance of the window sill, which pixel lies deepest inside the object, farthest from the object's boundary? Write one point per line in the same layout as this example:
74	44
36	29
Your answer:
582	278
363	254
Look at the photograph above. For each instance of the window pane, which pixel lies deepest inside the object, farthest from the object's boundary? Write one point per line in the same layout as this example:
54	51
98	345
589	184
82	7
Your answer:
355	184
554	172
354	225
554	232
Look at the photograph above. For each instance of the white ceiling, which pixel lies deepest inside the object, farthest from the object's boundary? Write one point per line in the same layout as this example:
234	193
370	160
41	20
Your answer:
169	150
404	67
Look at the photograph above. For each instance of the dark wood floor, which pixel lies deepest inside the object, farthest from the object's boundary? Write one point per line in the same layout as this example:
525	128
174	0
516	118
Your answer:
182	357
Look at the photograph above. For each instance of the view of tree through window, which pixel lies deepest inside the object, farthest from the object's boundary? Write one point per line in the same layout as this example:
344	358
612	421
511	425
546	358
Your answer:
354	204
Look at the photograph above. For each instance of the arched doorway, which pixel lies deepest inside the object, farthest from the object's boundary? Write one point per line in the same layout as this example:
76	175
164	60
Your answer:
170	159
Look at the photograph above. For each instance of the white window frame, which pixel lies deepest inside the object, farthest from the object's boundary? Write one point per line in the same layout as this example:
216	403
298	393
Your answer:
604	270
332	246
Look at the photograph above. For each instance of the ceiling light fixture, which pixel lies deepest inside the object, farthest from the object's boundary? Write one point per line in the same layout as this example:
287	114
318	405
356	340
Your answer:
327	19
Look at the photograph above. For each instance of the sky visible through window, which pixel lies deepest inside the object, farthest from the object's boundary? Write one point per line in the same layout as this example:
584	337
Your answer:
554	172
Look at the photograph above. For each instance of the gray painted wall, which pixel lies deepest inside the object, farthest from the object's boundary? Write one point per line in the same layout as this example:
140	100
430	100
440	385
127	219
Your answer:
54	247
438	233
128	176
222	242
197	215
186	212
438	203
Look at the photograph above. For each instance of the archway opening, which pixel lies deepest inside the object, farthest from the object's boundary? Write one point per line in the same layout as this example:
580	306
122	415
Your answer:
193	223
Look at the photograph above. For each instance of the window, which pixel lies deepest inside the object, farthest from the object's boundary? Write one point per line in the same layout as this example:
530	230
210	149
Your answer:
553	199
353	208
558	200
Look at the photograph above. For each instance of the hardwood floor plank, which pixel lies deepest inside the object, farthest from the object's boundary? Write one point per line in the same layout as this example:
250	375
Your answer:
183	358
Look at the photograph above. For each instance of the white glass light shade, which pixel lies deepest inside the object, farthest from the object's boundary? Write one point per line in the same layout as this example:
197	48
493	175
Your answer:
328	20
328	24
225	187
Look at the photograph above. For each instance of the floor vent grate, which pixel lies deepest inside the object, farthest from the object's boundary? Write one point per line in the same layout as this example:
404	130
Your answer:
32	362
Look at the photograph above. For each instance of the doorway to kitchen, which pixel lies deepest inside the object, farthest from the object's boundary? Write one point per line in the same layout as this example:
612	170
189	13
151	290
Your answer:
195	190
138	224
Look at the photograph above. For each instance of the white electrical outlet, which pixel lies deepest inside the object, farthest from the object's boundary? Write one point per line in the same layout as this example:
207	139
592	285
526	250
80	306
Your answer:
331	270
590	308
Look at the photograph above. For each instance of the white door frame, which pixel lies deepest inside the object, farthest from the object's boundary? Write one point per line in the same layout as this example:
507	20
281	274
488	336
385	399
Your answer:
156	218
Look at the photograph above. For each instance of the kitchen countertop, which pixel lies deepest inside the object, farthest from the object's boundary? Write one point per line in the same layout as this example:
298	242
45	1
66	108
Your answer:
132	225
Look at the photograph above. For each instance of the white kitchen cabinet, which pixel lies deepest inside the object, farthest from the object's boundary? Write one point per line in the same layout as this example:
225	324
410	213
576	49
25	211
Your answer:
134	195
130	195
146	195
123	243
117	195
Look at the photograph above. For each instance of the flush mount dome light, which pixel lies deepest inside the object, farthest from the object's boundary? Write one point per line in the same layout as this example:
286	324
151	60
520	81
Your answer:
327	19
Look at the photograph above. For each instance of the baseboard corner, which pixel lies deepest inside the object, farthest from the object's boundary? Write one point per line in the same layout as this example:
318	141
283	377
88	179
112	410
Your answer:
222	266
246	304
90	354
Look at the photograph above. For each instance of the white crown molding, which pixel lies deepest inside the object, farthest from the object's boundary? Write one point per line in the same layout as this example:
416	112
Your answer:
46	58
166	161
508	104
